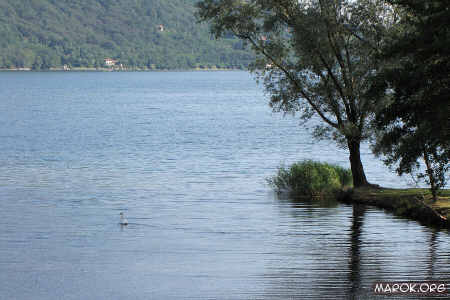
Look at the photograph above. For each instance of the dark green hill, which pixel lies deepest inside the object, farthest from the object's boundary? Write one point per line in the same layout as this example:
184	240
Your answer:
81	33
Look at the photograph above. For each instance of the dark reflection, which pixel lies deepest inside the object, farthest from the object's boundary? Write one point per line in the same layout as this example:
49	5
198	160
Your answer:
307	207
327	250
311	260
433	253
355	248
324	202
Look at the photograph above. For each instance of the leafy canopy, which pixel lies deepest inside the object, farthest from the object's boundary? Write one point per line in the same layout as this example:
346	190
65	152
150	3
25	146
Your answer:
315	57
416	124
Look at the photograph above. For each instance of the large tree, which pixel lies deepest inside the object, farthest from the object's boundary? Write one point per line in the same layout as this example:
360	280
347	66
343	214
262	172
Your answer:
416	124
315	57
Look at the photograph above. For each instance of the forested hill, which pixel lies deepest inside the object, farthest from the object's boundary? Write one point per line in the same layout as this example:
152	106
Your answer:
42	34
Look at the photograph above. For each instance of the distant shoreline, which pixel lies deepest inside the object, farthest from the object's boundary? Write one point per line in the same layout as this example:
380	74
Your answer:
86	69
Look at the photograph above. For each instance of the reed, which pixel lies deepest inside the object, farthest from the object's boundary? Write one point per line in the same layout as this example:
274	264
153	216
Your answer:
311	179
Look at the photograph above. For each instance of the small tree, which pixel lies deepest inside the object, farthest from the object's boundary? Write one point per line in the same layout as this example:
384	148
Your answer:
315	58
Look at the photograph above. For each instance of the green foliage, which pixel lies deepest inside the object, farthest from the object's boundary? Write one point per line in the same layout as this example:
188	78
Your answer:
310	178
316	58
345	175
41	34
416	123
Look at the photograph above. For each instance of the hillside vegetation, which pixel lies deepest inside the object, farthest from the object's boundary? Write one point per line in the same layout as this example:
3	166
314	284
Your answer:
41	34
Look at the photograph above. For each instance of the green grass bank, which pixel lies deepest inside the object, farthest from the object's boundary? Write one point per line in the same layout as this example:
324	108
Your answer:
319	180
415	204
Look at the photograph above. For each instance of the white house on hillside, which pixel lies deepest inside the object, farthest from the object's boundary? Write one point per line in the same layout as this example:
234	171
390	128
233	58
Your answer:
109	62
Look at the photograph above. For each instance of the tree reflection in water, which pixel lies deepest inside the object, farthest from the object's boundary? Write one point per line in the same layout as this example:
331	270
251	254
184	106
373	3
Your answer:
327	250
355	251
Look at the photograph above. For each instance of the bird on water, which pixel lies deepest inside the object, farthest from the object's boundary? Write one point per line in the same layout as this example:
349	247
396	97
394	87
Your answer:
123	221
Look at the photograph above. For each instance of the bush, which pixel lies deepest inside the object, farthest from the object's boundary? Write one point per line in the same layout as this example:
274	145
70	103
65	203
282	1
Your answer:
310	178
345	175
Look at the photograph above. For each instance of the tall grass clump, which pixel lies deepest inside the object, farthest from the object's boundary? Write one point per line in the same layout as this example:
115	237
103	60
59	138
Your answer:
310	178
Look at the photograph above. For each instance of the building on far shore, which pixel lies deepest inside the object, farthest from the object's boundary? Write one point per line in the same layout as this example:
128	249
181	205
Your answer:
109	62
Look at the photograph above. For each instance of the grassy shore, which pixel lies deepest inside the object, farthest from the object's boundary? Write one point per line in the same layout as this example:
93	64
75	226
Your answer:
415	204
312	179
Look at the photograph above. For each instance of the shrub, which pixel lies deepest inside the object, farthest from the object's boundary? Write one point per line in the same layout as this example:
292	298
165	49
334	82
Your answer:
345	175
310	178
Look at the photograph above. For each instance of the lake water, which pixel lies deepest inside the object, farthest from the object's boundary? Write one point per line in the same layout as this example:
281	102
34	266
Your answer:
185	156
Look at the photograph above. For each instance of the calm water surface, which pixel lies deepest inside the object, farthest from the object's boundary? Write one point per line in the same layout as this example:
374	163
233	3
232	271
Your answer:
185	156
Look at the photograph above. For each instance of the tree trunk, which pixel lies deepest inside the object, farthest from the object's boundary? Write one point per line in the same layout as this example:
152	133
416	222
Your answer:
430	174
359	177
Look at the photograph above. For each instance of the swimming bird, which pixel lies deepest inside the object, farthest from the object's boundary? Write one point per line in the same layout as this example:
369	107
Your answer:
123	221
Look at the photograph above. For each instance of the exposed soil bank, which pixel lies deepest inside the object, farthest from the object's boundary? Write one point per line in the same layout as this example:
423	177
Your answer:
415	204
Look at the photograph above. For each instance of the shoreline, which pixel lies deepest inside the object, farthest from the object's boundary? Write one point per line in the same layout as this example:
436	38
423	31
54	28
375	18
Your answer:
86	69
414	204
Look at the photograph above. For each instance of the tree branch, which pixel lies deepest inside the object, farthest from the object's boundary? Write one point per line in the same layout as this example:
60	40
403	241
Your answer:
290	77
336	83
